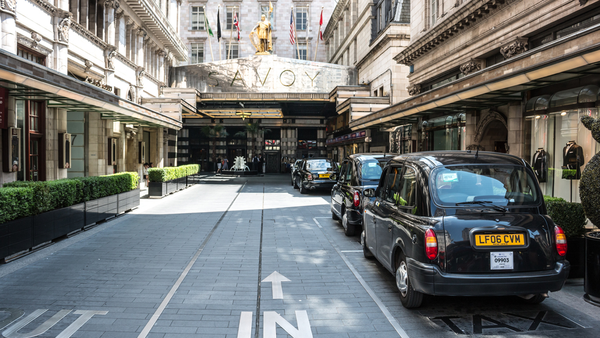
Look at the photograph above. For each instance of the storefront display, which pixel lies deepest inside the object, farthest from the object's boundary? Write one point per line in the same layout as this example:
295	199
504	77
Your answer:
572	161
540	165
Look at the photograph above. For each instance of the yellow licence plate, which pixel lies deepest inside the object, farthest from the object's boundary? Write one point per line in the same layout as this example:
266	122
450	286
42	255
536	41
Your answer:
323	175
499	239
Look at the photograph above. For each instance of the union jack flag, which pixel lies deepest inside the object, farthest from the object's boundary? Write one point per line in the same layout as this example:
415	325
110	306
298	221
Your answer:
236	25
292	36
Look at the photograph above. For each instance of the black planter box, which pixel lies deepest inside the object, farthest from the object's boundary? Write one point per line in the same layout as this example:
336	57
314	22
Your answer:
171	186
100	209
16	236
576	256
592	268
57	223
157	189
128	200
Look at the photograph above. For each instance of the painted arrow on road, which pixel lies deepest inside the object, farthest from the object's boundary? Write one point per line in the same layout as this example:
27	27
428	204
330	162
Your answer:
276	278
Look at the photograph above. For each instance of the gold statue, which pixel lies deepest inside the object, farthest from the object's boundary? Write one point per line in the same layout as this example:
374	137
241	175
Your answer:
260	37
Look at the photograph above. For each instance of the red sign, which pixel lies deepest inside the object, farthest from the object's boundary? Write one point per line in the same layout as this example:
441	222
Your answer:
3	108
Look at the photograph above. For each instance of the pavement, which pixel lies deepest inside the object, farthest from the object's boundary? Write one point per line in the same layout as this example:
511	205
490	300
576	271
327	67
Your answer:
246	257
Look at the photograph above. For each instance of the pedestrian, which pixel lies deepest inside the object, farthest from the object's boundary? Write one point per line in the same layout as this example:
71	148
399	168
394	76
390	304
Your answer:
225	164
255	162
145	174
260	164
218	165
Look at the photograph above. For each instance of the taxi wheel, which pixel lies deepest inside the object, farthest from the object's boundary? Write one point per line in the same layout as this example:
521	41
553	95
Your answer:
366	252
349	229
295	184
538	298
334	216
301	187
408	296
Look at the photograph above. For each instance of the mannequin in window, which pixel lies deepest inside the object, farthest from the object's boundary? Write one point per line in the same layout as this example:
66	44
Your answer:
540	165
572	161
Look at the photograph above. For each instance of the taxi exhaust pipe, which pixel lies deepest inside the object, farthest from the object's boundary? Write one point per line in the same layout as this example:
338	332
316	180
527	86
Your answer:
527	297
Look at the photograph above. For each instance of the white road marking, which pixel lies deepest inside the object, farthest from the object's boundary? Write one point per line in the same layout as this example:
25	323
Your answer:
245	328
318	224
79	322
370	291
276	278
272	318
351	251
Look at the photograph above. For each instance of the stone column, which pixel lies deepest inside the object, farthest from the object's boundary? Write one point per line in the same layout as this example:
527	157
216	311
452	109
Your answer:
120	31
173	12
515	129
84	13
129	37
140	33
161	65
61	45
110	7
9	27
179	16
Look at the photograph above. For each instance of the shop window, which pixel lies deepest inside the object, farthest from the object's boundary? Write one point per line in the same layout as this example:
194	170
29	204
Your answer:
31	55
197	19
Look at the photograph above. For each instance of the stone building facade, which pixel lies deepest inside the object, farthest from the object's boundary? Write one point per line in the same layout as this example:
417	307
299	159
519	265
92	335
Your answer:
366	35
83	70
501	75
306	16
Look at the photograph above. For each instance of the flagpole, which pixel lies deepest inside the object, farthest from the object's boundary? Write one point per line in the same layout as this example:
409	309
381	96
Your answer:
231	34
208	35
296	34
218	39
318	35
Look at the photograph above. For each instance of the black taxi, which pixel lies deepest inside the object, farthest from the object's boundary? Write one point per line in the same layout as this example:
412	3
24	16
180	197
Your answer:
357	173
313	174
463	223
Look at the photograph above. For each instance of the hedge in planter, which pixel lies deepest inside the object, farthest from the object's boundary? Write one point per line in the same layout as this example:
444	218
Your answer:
15	203
172	173
569	216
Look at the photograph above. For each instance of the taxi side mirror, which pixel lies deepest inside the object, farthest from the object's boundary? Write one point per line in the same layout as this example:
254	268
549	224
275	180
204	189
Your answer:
333	177
369	192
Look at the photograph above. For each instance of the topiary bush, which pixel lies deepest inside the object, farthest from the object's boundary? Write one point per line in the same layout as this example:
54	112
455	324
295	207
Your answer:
15	203
569	216
172	173
589	185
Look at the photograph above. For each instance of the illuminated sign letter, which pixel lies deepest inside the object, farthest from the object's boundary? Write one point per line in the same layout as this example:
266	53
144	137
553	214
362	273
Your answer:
293	80
236	78
312	79
214	78
263	81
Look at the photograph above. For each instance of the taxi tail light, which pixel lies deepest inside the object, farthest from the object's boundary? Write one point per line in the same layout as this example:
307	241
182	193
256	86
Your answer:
309	177
356	199
561	241
431	245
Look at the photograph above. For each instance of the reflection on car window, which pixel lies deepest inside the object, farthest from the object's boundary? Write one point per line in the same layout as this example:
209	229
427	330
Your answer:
371	170
401	189
318	165
502	185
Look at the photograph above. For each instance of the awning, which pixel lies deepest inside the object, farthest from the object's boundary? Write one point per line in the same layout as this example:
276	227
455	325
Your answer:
28	80
499	84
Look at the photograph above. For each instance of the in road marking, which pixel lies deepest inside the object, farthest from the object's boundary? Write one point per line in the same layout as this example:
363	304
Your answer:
376	299
185	272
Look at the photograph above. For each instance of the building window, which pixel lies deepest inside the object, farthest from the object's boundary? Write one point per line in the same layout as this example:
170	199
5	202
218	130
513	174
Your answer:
302	50
230	10
433	9
197	53
31	55
197	19
381	17
301	18
234	54
35	141
264	10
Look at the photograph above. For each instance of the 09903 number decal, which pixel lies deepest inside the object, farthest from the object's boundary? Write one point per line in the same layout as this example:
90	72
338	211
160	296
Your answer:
501	260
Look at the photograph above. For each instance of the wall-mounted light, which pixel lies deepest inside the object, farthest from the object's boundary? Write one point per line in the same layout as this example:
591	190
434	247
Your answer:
563	113
243	114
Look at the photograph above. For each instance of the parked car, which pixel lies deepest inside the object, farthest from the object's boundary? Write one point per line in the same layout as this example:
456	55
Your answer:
462	223
357	173
313	173
295	172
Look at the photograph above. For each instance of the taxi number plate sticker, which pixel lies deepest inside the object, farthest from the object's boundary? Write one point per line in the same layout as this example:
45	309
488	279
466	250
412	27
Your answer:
323	175
501	261
499	239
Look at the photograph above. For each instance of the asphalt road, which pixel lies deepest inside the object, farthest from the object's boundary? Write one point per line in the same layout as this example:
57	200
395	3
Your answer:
245	258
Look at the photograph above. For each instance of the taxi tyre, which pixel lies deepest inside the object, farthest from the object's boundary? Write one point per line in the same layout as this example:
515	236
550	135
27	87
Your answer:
366	252
333	215
349	229
302	188
538	298
295	183
409	297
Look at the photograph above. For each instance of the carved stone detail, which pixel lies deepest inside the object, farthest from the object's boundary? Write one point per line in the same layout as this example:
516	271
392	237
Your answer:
140	76
8	6
582	2
472	66
111	52
112	4
36	38
516	47
63	27
414	89
88	66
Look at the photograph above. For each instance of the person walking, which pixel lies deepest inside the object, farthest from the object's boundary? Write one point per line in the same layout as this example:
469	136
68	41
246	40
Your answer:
145	173
255	162
218	165
225	164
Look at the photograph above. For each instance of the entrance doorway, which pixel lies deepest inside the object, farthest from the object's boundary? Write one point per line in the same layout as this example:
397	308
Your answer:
495	137
273	162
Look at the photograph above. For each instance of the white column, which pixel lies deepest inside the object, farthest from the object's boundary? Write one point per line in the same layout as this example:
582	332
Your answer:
173	12
140	47
161	65
110	6
178	16
9	32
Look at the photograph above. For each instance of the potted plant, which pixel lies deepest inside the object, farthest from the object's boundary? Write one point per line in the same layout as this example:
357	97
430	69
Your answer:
589	192
571	218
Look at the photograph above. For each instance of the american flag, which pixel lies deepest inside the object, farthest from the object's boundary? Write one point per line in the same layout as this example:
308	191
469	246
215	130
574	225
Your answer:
292	36
236	25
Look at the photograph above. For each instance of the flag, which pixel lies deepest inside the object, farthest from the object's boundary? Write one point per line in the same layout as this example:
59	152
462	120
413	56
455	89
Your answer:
292	36
207	26
236	24
218	25
321	24
270	12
